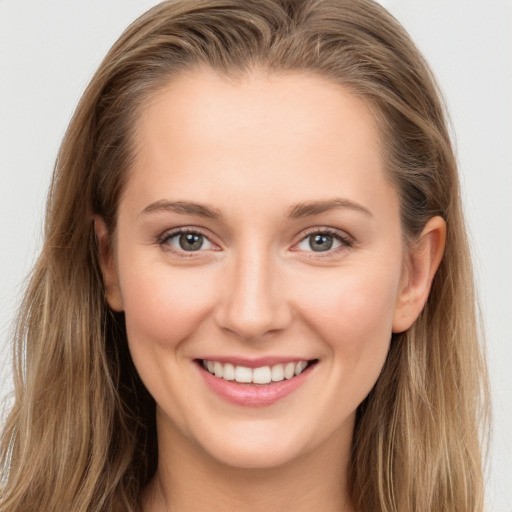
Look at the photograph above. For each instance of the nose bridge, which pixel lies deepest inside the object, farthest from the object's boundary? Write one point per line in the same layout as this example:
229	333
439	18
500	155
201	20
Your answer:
253	304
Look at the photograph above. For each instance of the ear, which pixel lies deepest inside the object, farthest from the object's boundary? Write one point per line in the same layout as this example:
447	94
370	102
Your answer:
422	261
107	263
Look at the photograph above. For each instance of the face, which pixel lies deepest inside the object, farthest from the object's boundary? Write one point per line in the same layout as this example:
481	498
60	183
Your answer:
258	238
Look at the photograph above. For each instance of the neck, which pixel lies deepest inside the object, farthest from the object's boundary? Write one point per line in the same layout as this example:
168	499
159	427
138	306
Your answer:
188	479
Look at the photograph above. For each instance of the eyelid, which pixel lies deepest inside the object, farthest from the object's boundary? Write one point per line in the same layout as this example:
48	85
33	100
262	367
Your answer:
343	237
171	233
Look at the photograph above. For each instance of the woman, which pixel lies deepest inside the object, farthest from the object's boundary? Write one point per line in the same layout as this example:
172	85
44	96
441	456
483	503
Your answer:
255	289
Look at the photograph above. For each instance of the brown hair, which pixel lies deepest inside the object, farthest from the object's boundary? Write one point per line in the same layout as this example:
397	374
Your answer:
81	434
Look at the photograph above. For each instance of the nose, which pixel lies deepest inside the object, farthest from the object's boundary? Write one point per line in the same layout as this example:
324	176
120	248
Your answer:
254	298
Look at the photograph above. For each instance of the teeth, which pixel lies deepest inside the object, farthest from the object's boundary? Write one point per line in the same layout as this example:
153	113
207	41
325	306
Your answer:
243	374
277	373
229	372
289	370
218	369
262	375
300	367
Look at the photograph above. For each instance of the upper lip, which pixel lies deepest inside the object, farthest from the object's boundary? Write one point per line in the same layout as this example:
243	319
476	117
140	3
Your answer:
257	362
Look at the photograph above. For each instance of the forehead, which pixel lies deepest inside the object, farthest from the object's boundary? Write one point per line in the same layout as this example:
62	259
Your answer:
293	103
255	133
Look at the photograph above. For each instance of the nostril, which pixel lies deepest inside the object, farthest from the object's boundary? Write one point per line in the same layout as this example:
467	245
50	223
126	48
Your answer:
253	323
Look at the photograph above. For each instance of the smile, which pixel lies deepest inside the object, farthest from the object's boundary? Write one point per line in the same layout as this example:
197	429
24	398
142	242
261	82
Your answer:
260	375
254	383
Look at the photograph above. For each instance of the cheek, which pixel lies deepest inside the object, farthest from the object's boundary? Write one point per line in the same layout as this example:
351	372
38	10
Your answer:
164	305
358	301
164	309
354	320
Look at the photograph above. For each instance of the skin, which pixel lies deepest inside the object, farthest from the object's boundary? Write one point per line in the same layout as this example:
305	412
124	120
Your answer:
251	150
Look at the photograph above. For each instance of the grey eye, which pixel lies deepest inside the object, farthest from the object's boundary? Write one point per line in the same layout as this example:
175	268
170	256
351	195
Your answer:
320	242
188	242
191	241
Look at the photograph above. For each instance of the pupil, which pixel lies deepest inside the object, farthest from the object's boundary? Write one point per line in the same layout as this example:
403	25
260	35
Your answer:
321	242
191	241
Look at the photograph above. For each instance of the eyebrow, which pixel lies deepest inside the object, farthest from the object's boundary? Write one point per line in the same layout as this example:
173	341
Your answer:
184	207
316	207
300	210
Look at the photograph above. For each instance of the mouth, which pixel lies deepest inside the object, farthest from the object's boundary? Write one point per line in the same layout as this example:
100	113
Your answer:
255	383
261	375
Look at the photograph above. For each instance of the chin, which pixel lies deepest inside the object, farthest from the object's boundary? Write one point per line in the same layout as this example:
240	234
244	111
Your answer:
259	455
263	445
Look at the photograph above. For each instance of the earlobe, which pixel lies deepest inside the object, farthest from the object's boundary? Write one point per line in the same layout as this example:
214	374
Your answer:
423	260
108	269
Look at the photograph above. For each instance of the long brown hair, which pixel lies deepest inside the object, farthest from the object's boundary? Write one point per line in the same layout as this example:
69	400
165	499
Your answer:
81	434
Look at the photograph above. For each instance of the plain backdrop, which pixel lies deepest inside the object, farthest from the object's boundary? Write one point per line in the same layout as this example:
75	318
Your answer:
50	49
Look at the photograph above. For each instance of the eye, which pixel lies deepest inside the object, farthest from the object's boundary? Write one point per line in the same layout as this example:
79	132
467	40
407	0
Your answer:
323	241
188	241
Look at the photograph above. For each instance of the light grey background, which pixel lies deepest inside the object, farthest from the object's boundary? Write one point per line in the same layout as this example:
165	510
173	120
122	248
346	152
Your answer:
49	50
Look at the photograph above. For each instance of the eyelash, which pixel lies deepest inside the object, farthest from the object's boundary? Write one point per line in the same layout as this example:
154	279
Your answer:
345	241
169	235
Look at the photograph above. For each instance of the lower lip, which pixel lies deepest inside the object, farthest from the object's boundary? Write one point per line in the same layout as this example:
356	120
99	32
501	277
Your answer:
252	395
